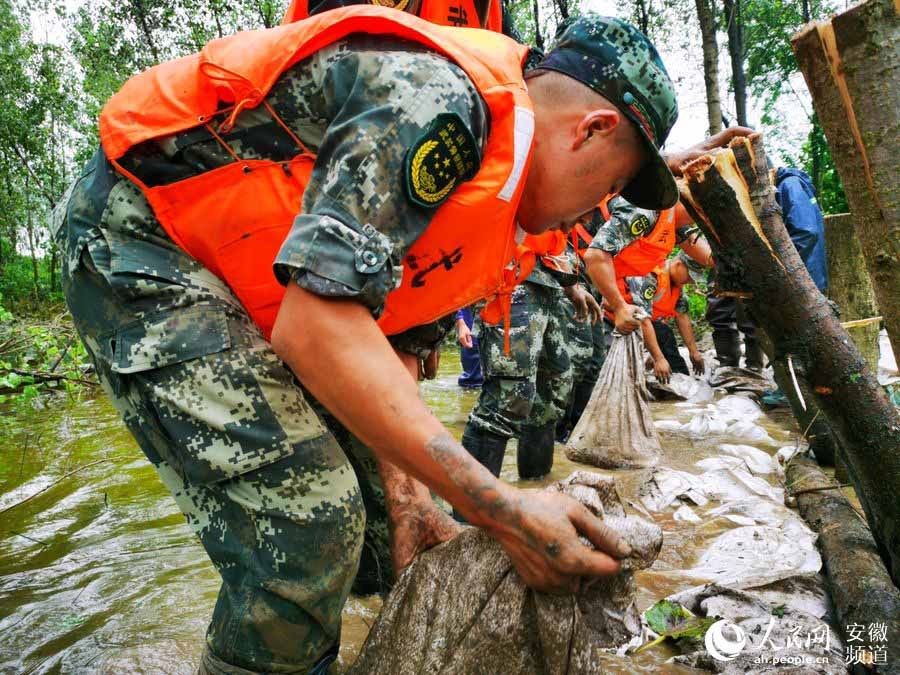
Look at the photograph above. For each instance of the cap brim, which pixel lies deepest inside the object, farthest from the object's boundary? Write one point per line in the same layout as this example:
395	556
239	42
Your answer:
654	185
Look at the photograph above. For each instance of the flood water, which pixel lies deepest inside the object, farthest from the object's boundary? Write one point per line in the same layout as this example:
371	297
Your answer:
99	572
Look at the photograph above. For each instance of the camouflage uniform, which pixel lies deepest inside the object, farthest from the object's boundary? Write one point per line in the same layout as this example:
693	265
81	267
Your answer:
526	391
643	292
628	222
533	382
587	348
282	498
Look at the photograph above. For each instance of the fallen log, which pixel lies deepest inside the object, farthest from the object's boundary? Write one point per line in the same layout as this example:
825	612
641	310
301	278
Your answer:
852	68
859	585
737	208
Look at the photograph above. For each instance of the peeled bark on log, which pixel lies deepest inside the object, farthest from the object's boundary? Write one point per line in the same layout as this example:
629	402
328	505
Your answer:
616	429
858	582
852	69
849	284
738	210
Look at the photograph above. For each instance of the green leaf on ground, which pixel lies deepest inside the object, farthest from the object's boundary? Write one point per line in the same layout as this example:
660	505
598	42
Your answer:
672	621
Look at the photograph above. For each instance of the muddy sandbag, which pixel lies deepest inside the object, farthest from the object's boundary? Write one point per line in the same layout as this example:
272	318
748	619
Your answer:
740	380
616	428
461	607
680	387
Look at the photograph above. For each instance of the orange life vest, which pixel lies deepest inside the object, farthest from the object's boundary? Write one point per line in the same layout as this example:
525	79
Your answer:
580	237
459	13
664	299
547	246
648	251
666	295
234	218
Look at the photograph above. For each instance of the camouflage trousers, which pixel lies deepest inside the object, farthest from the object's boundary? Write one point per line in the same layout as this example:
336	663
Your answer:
533	382
581	341
587	351
281	497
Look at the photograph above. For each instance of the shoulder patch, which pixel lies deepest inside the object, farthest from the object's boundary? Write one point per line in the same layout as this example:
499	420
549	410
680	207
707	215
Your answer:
442	158
639	225
649	292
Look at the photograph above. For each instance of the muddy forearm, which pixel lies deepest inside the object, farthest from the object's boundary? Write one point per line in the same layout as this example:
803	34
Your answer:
683	321
600	269
339	343
650	339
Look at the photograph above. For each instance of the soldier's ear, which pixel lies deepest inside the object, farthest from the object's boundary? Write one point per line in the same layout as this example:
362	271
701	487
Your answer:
600	123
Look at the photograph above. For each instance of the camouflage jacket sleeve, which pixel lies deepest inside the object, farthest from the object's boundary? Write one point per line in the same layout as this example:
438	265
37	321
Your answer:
643	291
626	223
378	99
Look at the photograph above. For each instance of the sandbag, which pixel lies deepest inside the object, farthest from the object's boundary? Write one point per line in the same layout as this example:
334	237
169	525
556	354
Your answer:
770	629
461	607
616	429
740	380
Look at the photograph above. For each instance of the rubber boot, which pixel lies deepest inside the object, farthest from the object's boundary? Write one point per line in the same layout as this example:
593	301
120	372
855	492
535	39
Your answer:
580	398
535	454
487	448
753	354
728	347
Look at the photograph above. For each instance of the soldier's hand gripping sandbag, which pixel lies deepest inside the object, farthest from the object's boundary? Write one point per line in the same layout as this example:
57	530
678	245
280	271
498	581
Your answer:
462	608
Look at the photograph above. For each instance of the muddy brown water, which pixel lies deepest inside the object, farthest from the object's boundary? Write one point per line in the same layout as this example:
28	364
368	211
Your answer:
99	572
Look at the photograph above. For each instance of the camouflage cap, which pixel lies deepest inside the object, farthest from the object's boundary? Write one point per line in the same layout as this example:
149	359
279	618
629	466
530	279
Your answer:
616	60
695	270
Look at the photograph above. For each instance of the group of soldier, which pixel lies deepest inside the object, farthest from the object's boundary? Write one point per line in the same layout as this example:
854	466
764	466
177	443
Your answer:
257	255
560	328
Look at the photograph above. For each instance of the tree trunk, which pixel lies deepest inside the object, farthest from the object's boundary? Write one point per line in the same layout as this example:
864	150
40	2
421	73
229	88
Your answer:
736	52
849	285
642	11
737	209
563	7
852	68
707	18
858	583
538	38
140	13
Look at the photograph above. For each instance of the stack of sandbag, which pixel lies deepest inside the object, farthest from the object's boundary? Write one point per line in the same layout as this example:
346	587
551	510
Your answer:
616	429
462	608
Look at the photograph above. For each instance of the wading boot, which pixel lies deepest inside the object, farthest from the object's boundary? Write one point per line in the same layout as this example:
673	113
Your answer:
535	453
753	354
580	398
728	347
488	448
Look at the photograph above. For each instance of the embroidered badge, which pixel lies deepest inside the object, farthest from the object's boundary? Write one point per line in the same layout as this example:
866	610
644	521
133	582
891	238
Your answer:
640	225
443	157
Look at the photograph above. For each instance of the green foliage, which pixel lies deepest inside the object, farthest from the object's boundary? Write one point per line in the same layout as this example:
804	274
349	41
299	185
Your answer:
696	298
815	158
671	621
40	356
